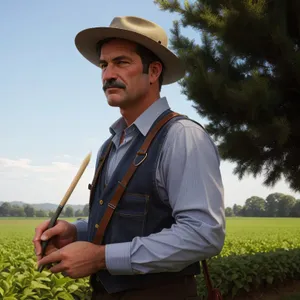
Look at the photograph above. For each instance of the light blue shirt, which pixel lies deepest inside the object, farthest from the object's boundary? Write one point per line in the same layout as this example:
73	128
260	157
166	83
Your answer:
189	180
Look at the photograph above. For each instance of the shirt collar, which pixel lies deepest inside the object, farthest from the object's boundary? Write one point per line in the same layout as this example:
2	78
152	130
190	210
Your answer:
144	122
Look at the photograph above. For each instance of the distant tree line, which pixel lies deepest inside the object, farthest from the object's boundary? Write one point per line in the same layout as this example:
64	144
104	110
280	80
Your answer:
275	205
8	210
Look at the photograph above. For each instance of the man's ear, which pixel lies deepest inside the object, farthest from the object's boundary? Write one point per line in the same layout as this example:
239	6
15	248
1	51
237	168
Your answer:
155	69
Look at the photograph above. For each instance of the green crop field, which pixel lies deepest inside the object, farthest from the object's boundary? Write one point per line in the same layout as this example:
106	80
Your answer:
257	252
252	235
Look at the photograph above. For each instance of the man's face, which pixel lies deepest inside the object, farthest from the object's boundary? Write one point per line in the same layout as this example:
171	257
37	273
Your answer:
124	82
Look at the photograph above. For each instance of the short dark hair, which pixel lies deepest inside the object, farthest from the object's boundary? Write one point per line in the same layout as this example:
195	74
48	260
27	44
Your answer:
146	55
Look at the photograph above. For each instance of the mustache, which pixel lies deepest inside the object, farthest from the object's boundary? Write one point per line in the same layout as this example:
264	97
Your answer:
113	84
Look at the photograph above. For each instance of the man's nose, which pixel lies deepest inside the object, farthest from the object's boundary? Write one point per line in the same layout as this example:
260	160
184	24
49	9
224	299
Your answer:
109	73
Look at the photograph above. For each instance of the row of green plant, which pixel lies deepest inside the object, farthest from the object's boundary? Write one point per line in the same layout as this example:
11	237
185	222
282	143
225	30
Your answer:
20	280
257	252
234	274
239	274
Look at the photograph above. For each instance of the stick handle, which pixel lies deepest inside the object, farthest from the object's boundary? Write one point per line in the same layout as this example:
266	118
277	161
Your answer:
59	209
52	222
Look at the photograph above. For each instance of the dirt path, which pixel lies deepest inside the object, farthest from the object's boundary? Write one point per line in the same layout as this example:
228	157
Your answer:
287	291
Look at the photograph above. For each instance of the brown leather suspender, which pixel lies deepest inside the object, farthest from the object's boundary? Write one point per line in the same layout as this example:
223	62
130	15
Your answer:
213	293
141	155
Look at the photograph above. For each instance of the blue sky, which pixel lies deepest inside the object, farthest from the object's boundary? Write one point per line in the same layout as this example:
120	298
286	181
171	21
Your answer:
53	110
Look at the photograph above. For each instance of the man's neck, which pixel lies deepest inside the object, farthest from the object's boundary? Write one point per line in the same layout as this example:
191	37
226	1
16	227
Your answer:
130	114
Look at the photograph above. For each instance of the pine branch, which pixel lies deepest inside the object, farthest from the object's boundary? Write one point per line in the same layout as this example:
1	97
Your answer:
169	5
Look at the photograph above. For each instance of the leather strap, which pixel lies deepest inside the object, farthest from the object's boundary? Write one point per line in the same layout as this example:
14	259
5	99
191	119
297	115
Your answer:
207	277
213	294
141	155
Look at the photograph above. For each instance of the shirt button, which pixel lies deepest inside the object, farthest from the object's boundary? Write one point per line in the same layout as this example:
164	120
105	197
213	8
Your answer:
101	202
96	226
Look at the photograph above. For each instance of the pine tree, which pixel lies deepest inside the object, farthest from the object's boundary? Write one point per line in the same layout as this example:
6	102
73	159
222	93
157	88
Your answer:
244	78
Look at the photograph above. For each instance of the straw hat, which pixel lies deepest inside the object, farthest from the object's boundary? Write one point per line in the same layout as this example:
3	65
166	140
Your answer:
138	30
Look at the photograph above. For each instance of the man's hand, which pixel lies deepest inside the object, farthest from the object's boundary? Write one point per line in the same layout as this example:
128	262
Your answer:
76	260
62	234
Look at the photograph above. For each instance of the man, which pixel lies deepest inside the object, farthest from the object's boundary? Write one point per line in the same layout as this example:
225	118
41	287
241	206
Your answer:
171	214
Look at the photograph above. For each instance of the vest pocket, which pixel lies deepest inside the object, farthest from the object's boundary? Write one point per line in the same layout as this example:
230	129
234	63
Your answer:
129	218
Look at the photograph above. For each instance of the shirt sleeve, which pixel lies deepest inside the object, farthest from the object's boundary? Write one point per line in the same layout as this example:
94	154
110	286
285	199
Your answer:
81	227
189	180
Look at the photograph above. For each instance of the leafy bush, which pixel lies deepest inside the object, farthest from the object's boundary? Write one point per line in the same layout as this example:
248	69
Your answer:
244	273
20	280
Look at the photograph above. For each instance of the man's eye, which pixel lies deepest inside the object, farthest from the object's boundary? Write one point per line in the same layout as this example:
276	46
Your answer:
121	62
102	65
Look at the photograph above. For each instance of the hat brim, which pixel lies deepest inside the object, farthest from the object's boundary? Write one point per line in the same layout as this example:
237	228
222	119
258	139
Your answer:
86	42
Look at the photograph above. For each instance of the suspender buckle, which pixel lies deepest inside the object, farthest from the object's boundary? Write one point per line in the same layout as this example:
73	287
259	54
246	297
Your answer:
139	158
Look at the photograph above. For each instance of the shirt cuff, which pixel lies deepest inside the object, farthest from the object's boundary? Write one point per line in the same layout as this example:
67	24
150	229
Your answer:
81	228
118	258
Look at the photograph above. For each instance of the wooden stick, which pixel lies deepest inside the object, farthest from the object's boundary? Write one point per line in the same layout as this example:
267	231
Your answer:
64	201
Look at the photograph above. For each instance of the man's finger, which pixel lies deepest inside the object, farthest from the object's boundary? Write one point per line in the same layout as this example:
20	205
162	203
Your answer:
50	248
49	233
39	230
37	248
58	268
37	237
53	257
46	235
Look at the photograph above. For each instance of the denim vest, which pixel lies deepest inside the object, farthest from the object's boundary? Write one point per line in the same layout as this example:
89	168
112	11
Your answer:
140	211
